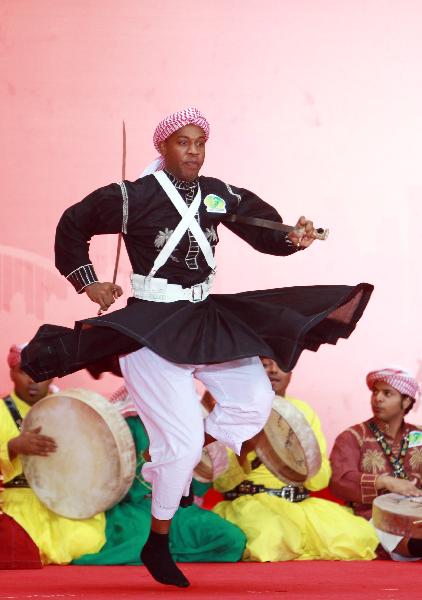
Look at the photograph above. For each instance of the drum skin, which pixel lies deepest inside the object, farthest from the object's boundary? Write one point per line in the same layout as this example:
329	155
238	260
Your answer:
287	446
95	461
204	471
398	514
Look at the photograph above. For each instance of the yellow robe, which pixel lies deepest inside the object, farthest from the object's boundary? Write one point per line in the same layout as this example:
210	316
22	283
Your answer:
59	539
278	530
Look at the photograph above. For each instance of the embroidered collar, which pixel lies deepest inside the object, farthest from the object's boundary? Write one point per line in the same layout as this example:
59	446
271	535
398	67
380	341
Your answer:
385	427
180	184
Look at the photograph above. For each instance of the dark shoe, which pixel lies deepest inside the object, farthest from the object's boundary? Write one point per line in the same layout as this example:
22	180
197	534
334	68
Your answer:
157	558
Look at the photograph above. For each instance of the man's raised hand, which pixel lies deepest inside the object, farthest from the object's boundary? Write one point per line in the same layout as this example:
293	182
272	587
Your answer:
302	235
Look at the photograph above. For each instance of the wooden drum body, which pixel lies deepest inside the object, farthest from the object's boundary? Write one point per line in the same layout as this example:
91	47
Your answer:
204	471
287	446
399	515
95	461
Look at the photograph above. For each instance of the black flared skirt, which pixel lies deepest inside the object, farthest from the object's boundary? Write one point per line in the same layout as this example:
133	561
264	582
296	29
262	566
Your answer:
278	323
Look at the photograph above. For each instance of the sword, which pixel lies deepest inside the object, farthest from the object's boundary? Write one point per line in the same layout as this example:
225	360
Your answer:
318	234
119	239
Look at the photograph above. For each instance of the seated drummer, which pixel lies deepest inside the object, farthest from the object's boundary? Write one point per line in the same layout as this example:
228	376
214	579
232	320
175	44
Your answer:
196	535
375	457
282	522
59	540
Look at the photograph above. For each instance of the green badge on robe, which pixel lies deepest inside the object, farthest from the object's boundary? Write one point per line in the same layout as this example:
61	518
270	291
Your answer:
415	439
215	204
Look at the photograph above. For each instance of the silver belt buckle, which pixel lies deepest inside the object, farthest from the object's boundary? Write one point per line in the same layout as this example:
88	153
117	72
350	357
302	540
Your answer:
288	492
197	292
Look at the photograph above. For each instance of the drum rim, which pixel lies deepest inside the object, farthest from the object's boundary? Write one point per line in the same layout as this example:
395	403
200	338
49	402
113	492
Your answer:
393	521
127	470
205	474
296	420
208	468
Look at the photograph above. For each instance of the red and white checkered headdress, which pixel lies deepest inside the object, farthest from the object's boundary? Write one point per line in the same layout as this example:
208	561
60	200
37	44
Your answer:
168	126
14	355
171	123
398	378
123	402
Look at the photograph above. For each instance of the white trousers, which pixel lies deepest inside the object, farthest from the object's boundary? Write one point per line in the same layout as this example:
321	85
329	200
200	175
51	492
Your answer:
390	541
169	406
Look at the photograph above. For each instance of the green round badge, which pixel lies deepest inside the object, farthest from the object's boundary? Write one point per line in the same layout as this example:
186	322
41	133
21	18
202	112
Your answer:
215	204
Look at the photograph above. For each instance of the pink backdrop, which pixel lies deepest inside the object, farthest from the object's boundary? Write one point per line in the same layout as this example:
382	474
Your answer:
315	105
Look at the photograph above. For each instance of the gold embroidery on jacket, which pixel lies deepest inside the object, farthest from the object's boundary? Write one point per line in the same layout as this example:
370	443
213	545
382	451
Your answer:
373	461
356	435
416	459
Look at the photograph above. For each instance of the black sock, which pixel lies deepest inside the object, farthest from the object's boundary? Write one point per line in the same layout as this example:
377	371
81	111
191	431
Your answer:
414	547
186	501
157	558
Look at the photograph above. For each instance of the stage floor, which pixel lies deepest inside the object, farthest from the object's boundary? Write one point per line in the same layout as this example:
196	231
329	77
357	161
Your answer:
314	580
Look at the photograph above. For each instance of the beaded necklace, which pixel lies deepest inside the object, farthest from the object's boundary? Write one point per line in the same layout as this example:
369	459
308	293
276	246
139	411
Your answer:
180	184
396	462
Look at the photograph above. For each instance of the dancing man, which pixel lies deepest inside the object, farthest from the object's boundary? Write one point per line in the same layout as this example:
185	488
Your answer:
172	329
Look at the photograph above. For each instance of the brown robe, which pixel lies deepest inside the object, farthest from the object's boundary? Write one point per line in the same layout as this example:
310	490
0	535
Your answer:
357	460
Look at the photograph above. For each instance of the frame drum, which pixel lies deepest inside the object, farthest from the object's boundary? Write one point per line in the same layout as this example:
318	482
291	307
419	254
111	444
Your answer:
400	515
287	446
95	461
204	471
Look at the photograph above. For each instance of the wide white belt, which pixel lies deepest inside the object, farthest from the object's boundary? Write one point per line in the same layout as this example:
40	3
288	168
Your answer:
156	289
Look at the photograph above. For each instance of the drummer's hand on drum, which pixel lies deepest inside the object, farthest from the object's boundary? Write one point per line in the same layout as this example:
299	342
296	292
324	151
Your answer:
104	294
301	236
31	443
398	486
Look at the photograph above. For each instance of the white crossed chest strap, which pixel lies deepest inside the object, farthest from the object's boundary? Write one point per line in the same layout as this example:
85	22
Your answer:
187	221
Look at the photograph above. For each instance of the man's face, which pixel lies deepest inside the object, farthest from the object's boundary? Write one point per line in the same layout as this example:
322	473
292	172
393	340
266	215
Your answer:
184	152
27	390
387	403
279	379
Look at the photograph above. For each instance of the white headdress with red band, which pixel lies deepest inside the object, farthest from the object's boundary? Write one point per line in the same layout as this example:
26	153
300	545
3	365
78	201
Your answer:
400	379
